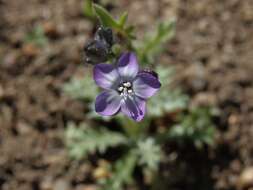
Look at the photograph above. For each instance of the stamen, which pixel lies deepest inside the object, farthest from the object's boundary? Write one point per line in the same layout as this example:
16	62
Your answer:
121	88
130	91
127	84
125	89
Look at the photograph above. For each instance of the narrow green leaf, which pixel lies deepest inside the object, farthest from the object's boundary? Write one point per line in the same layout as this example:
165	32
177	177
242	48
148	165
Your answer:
152	45
105	18
88	9
123	19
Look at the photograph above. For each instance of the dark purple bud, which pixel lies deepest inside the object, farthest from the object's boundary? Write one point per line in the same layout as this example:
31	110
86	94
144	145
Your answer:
96	52
105	35
99	49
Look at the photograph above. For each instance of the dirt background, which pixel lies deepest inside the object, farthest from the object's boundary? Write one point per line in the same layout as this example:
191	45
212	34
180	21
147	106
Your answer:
212	51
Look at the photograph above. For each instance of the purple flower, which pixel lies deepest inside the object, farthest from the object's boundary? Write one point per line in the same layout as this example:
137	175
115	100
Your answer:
126	89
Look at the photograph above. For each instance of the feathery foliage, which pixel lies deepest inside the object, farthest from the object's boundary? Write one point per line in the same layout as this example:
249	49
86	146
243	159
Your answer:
149	153
196	126
81	88
84	140
122	173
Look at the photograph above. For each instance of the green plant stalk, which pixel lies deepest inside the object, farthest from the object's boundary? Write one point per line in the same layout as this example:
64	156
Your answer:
131	128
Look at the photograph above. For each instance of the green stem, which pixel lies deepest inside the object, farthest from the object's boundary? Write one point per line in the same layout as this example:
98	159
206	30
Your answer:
130	127
134	129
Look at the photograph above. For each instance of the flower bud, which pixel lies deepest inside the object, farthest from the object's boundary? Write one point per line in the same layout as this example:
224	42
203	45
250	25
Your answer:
99	49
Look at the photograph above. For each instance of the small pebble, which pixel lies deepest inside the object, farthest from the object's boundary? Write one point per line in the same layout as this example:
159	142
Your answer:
30	50
245	180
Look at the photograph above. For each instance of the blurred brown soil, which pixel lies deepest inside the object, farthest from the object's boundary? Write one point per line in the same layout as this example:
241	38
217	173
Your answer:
212	52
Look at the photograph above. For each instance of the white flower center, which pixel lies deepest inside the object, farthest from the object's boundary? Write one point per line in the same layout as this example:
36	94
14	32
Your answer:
125	89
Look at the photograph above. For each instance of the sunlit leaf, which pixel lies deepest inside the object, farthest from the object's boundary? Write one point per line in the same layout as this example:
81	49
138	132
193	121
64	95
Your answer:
152	44
123	19
88	9
105	17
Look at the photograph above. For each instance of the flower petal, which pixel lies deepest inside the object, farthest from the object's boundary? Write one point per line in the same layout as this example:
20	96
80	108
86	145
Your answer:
128	65
145	85
134	108
108	103
105	75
